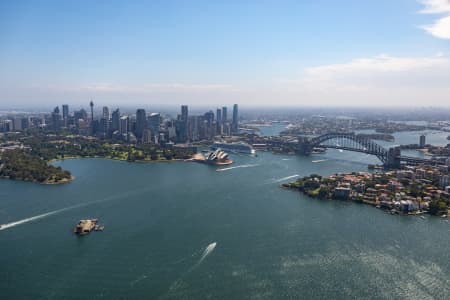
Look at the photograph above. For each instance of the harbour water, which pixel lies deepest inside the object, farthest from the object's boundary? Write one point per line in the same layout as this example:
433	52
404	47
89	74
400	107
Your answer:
185	230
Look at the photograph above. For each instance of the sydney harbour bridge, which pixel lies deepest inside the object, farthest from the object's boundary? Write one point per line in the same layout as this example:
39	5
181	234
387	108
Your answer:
391	158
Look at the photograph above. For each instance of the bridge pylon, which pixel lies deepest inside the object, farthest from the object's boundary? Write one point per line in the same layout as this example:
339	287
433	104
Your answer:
393	158
304	146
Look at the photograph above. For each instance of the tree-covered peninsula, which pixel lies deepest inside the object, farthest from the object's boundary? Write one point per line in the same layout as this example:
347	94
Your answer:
413	190
26	155
21	164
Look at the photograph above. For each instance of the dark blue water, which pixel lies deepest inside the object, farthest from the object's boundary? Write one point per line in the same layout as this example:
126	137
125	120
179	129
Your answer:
161	217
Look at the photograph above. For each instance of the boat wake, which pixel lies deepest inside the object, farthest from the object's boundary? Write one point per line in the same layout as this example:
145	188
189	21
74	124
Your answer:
177	284
23	221
207	252
236	167
140	278
285	178
318	160
48	214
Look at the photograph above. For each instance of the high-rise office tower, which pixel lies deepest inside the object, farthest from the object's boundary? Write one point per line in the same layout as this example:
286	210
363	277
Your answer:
141	123
193	128
154	121
209	117
65	111
422	141
105	114
219	121
103	127
147	136
124	125
56	119
219	115
183	125
25	122
235	124
184	112
17	124
224	115
115	120
104	121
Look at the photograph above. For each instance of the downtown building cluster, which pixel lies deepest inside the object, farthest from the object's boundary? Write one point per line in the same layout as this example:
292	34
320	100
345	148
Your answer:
141	127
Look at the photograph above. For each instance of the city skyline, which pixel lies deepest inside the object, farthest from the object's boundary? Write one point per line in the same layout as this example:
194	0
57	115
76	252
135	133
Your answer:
268	53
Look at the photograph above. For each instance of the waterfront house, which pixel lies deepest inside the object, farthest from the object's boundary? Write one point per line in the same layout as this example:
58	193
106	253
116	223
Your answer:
342	192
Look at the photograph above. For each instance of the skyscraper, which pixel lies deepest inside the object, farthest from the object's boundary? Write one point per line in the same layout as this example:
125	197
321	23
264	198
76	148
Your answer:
183	125
17	124
103	127
65	109
124	125
154	121
104	122
219	121
141	123
184	112
224	115
105	114
115	120
219	116
235	124
56	119
422	141
209	117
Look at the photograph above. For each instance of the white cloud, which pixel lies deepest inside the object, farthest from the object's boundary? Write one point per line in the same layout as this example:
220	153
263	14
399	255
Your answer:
378	80
441	27
435	6
380	63
381	71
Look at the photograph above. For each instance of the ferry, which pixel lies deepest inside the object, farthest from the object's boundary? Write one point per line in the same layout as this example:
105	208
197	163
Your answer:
85	226
240	147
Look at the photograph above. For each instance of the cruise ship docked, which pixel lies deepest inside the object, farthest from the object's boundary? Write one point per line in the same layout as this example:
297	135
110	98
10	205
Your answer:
234	147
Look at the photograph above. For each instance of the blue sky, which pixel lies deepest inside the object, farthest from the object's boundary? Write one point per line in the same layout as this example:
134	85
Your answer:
249	52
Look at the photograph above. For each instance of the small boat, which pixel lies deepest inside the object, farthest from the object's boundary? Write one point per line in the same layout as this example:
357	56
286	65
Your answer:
99	227
422	217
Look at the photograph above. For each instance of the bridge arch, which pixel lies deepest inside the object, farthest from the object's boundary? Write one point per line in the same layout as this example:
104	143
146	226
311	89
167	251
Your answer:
344	141
391	158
